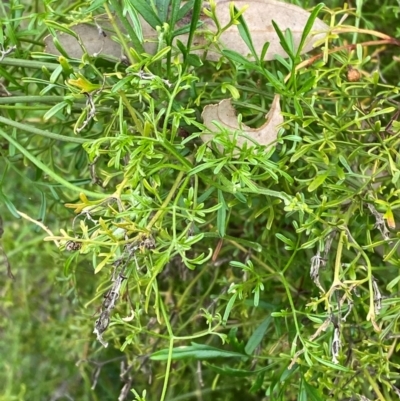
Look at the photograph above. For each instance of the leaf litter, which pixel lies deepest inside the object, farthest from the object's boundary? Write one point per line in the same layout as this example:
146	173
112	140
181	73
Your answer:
225	115
258	15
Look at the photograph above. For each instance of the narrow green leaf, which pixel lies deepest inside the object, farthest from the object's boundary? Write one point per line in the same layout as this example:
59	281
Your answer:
95	5
301	152
162	9
345	164
144	8
270	192
59	180
189	5
317	181
68	262
54	110
246	243
285	62
9	204
393	283
221	214
264	51
181	47
183	30
308	84
43	207
238	58
229	308
313	394
160	54
195	351
286	240
229	371
61	28
202	167
60	48
309	25
283	40
194	60
193	24
258	335
332	365
274	81
245	35
46	134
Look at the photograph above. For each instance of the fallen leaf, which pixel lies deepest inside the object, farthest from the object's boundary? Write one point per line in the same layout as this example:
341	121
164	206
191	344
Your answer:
259	16
225	115
92	40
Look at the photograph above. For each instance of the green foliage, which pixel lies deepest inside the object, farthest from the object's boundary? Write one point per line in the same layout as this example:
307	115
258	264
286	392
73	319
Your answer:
197	263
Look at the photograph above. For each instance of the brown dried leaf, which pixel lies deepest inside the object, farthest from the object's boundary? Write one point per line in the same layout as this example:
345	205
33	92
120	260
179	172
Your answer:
225	114
258	17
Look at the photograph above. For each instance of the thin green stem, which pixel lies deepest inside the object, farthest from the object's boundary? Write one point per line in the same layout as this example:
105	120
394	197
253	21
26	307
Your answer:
374	385
170	348
122	19
37	99
15	62
125	23
261	263
49	171
289	295
46	134
290	261
132	112
338	259
163	207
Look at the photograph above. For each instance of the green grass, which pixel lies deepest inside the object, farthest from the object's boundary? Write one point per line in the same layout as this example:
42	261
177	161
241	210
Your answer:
212	249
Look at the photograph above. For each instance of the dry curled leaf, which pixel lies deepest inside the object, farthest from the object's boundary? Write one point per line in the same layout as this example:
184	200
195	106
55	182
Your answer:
259	16
225	115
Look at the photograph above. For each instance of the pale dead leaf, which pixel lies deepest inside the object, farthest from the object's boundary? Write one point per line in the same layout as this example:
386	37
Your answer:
258	17
92	39
225	114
